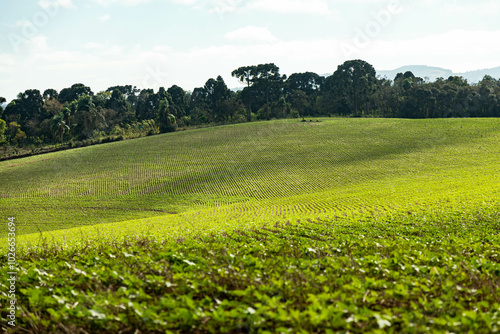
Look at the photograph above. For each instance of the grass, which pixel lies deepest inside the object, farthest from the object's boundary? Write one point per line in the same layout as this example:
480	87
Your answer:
239	163
345	225
405	273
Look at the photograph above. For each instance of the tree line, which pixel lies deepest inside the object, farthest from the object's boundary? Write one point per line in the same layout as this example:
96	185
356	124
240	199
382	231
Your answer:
77	113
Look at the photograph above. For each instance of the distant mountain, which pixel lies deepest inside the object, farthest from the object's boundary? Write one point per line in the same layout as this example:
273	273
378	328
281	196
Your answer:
476	76
432	73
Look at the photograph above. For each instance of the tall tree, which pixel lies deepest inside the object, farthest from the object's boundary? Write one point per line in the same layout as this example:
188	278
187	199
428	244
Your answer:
179	103
2	101
145	109
85	117
245	75
216	92
74	92
489	92
407	80
26	107
3	127
268	79
166	119
352	84
308	82
129	92
58	126
50	94
300	101
118	102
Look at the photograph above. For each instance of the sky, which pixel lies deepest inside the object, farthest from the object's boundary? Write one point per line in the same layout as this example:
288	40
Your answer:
154	43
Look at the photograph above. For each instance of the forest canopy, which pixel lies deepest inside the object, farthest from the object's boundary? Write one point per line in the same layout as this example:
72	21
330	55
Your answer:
77	113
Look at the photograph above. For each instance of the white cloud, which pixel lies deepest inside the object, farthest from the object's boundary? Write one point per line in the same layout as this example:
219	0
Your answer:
291	6
184	2
224	6
476	8
121	2
93	45
138	2
103	65
457	50
68	4
252	34
37	44
104	18
23	23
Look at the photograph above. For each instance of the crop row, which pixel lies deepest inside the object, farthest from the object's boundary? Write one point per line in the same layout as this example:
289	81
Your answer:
276	170
253	161
407	273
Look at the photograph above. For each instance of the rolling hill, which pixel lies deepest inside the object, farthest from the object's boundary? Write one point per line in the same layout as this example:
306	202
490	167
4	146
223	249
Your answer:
432	73
242	166
340	225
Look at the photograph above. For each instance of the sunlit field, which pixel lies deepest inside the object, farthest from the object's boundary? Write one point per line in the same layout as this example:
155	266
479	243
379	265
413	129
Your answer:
340	225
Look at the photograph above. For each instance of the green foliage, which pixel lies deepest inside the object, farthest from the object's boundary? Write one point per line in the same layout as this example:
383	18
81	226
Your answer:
167	120
255	162
294	113
352	90
394	274
15	135
3	127
344	225
351	86
68	95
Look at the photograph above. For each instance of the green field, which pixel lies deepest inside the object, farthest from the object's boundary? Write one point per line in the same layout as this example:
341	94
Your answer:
358	225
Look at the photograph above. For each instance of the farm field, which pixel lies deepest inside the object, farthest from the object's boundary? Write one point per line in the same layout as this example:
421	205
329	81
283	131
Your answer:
342	225
246	164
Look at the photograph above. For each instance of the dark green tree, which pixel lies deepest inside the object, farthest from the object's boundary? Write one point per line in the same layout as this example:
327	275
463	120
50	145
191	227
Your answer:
50	94
407	80
129	92
267	79
245	74
167	120
85	117
71	94
58	126
2	101
179	101
3	127
216	93
307	82
27	107
489	97
145	109
118	102
300	102
351	86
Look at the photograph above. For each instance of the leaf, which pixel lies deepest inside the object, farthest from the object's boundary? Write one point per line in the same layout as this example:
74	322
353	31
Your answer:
80	272
189	262
97	315
381	322
169	285
55	315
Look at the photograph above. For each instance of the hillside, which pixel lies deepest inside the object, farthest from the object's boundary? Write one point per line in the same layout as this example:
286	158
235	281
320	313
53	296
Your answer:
431	72
343	225
243	164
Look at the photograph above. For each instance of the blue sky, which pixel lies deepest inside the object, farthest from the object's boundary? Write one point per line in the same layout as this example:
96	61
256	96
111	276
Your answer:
153	43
